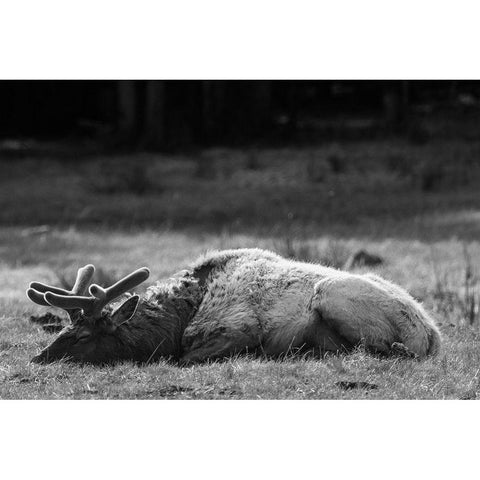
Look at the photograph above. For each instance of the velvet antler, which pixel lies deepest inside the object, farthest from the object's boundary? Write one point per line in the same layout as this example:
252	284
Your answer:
92	305
37	290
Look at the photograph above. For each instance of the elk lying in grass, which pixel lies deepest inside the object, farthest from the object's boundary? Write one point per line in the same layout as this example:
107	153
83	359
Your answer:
235	301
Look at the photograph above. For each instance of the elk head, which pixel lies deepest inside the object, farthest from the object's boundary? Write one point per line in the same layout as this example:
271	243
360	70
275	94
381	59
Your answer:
92	336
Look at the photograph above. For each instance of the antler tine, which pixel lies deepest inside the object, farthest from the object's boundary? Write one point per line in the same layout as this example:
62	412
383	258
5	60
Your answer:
76	299
42	288
46	295
37	297
82	281
36	292
127	283
84	276
70	302
105	296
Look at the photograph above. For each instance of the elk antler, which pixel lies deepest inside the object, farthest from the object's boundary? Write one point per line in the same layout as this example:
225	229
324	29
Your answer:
93	305
37	290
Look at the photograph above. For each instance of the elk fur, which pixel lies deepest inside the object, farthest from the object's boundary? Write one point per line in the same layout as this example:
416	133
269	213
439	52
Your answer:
253	300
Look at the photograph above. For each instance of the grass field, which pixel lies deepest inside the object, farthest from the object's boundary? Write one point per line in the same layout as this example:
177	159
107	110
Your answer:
416	206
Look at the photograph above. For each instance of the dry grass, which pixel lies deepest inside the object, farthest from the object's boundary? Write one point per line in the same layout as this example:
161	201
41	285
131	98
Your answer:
453	374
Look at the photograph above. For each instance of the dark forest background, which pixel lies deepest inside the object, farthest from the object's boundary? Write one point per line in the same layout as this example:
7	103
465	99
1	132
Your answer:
159	115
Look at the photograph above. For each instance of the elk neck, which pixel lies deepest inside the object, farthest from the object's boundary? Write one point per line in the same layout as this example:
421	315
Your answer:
157	327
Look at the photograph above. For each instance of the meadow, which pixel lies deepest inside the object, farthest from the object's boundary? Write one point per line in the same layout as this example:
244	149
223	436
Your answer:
416	206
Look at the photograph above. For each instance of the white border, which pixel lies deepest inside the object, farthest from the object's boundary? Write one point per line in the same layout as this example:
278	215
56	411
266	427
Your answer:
247	39
238	439
255	39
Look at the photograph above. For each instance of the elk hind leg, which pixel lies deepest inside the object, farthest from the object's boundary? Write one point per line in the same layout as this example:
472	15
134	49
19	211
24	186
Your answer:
355	310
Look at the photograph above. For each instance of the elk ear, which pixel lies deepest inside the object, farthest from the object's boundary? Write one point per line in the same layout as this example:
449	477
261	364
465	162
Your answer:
125	311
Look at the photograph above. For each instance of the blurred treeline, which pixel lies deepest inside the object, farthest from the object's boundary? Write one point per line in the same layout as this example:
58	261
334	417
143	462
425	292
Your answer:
160	115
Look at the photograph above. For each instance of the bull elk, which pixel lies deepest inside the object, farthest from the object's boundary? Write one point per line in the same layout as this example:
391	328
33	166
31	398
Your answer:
235	301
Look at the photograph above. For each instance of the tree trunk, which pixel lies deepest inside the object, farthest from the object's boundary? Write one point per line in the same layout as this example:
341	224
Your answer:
260	98
154	127
127	109
213	99
395	104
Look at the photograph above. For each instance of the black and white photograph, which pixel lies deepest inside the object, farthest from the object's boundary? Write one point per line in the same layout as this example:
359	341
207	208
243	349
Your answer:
239	240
